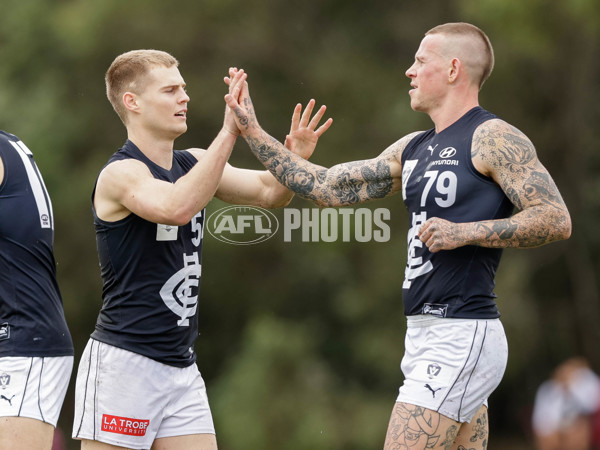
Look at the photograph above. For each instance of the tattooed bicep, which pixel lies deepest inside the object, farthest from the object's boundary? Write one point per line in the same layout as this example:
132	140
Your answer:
500	147
512	162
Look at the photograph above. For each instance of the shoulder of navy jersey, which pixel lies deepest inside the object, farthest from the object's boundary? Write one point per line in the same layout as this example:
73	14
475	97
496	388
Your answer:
7	136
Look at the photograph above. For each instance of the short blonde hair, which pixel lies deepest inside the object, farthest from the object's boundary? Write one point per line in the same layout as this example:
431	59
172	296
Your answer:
127	73
480	61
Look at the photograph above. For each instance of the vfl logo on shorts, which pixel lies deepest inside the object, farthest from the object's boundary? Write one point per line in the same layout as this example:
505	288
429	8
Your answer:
4	394
124	425
4	380
435	309
433	370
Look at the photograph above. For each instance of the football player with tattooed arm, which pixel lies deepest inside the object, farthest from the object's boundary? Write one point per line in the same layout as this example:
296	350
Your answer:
138	385
460	182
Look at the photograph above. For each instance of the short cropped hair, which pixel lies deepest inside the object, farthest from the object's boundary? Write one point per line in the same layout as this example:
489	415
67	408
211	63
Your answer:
479	57
127	74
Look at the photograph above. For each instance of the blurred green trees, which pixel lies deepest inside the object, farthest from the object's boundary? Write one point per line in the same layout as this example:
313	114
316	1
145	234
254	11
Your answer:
300	343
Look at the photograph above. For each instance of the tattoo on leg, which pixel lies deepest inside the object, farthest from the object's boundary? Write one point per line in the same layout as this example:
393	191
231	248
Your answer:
451	434
412	427
480	429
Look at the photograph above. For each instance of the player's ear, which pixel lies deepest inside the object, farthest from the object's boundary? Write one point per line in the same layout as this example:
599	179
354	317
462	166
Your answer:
454	69
130	101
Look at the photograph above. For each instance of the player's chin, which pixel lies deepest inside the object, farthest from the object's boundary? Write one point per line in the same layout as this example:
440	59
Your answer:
175	132
415	105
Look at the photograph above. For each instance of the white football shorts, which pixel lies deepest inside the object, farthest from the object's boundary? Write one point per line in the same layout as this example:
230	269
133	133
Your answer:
126	399
452	365
34	387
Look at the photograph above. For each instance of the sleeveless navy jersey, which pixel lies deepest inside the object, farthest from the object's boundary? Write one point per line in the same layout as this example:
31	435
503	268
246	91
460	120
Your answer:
151	276
439	180
32	321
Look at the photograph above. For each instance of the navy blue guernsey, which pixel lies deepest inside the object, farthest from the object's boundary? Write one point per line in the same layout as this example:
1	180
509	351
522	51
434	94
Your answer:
151	276
32	321
439	180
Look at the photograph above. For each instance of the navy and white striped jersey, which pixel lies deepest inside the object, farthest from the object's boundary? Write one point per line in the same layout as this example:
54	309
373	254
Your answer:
439	180
32	321
151	276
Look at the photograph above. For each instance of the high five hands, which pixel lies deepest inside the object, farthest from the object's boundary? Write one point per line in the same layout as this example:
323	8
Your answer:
304	134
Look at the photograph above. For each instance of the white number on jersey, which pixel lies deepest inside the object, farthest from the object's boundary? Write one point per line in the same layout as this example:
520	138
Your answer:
42	199
445	184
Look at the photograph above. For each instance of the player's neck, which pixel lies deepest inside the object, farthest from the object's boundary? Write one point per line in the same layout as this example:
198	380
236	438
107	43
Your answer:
159	149
452	110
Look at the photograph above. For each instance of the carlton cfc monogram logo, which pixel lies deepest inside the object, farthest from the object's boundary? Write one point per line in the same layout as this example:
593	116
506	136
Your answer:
180	292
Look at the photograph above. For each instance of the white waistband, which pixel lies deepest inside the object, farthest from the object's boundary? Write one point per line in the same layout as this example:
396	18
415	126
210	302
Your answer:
425	320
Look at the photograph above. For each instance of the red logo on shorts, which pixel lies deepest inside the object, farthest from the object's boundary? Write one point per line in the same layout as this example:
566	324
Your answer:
124	425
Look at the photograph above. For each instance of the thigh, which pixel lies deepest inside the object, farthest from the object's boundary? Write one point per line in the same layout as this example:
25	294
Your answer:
95	445
22	432
474	434
417	428
187	414
189	442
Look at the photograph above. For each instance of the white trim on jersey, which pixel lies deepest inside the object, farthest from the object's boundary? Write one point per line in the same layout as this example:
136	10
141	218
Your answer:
40	193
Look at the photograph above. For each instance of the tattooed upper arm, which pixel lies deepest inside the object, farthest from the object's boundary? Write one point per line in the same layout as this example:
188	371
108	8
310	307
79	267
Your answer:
505	154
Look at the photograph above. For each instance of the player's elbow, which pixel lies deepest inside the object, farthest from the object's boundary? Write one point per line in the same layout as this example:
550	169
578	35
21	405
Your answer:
562	225
280	203
180	220
567	226
324	203
180	216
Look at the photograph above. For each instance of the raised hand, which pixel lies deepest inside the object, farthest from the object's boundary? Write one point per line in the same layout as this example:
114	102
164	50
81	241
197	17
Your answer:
235	81
239	101
304	134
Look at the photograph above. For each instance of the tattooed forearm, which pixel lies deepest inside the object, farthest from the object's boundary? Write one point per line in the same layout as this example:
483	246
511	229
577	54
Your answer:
290	173
343	184
531	228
